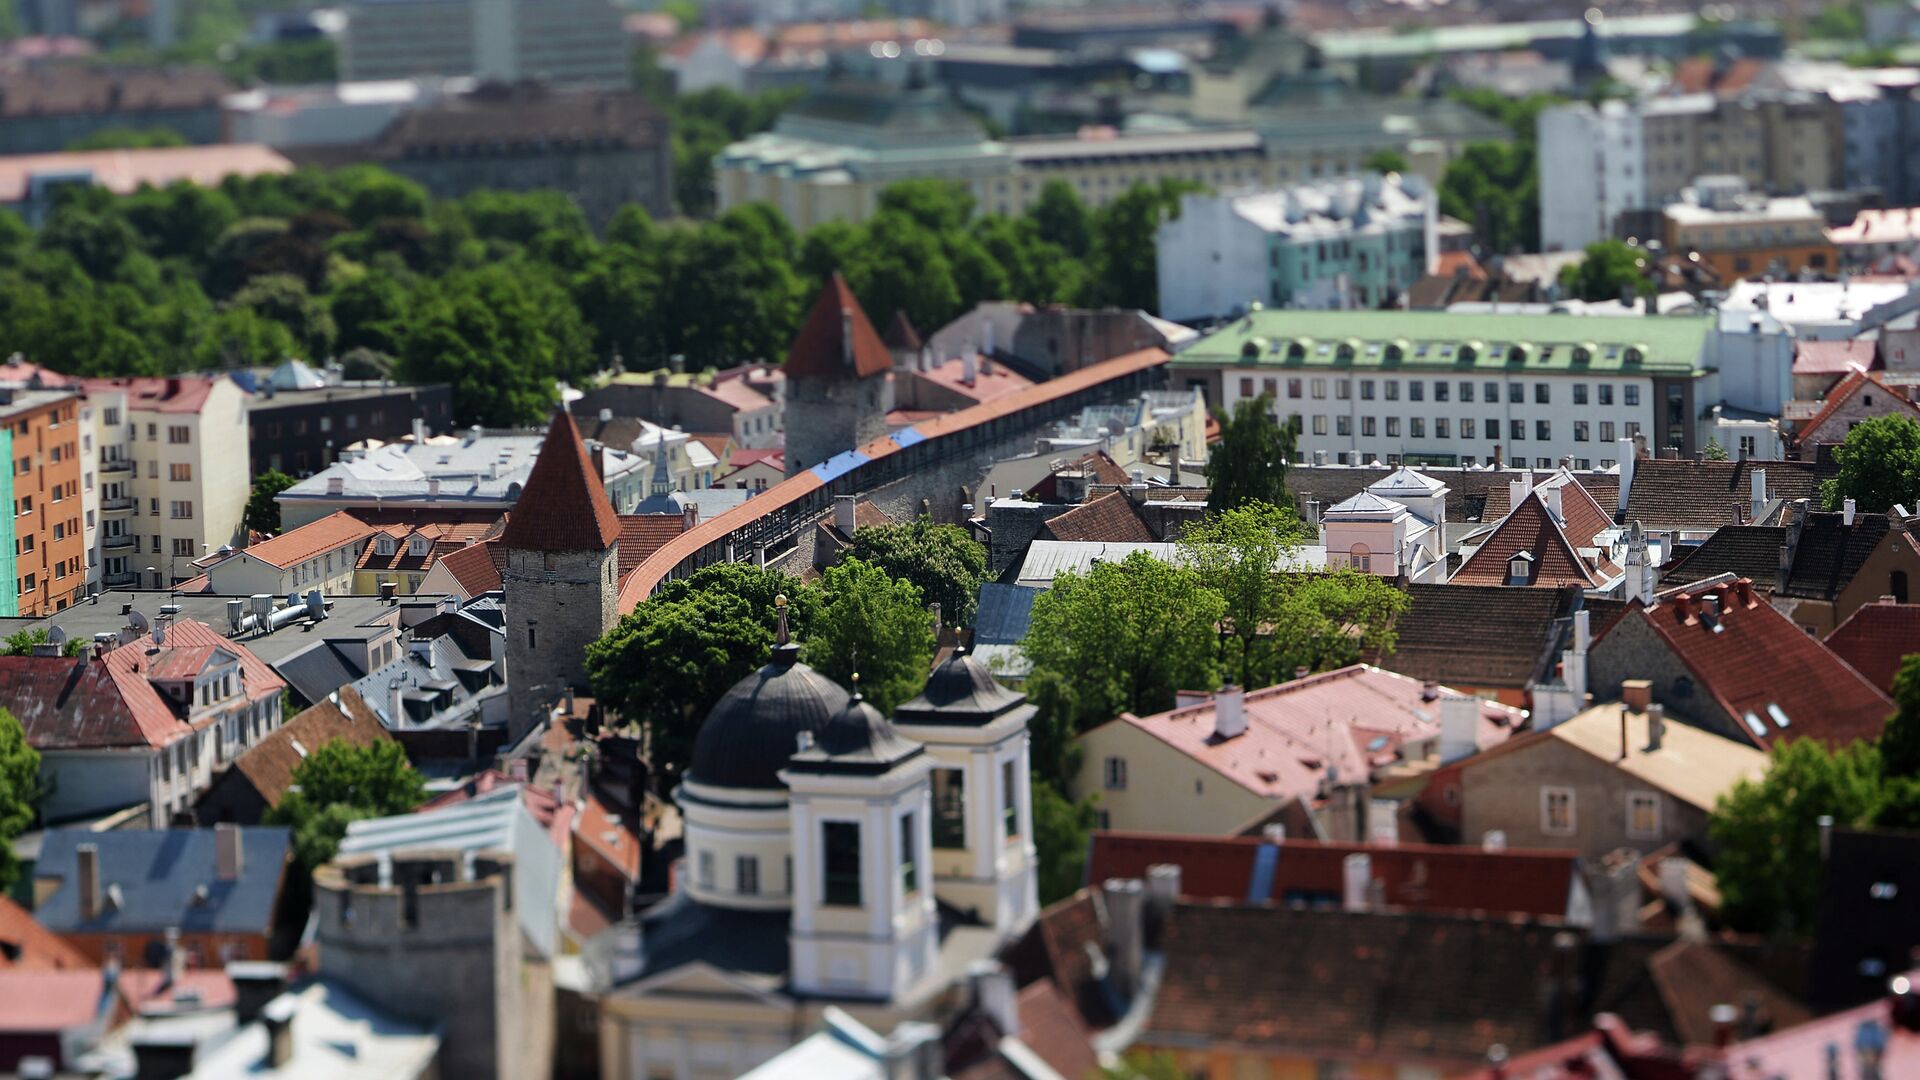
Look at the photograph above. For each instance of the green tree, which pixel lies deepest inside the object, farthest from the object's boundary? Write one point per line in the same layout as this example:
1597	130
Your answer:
1900	743
1125	271
284	299
1062	829
1387	161
20	792
1879	465
1121	638
263	513
1714	451
1495	187
1249	463
1606	271
944	562
21	643
339	783
1769	833
867	622
666	664
1060	216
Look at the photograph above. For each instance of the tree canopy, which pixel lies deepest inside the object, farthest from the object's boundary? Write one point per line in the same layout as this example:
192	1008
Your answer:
339	783
1249	463
19	792
944	561
1606	271
263	513
1879	466
867	623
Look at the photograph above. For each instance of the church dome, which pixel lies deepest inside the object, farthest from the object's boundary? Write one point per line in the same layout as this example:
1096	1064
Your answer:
856	739
753	729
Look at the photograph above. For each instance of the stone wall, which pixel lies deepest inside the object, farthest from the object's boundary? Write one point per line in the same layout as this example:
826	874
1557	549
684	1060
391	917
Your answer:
557	603
1631	650
1504	792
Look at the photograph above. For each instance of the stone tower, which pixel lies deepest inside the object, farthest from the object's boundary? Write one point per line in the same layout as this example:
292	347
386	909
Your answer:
838	390
560	586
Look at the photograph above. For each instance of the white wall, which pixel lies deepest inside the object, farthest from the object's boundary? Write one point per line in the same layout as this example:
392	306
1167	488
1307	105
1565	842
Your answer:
92	783
1211	260
1756	362
1592	168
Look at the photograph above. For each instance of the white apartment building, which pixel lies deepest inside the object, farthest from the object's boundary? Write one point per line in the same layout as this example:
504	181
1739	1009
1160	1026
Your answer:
577	42
1356	241
1593	169
1465	389
174	475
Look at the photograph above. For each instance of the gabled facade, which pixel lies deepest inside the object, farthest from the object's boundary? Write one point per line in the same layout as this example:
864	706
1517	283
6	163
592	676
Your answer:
1556	535
1395	527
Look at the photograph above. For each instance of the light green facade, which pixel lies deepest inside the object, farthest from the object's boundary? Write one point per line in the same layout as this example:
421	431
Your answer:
9	586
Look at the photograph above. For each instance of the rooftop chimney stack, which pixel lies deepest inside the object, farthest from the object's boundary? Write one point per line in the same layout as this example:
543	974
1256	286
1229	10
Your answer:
1636	694
1356	881
1846	513
229	858
1656	727
843	516
1459	727
995	995
87	874
1126	901
1229	712
1757	478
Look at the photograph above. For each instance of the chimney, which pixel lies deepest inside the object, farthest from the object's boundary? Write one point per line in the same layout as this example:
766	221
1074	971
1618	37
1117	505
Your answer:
1459	727
1656	727
1846	513
1553	503
1673	881
1125	900
1722	1017
843	517
1825	822
1517	489
1757	479
277	1018
229	858
1493	840
336	485
255	982
176	957
1636	694
419	430
1356	877
1313	511
388	589
1163	890
995	996
1625	750
87	879
1626	453
1137	491
1573	663
1229	713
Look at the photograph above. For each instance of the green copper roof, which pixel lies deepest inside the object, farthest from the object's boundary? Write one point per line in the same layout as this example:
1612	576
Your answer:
1441	341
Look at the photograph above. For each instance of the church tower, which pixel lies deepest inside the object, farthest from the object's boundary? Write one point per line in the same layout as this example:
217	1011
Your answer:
838	389
975	734
560	589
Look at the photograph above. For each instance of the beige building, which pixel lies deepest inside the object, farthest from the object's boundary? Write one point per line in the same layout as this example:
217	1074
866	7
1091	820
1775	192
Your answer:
184	486
1614	776
1780	143
1741	235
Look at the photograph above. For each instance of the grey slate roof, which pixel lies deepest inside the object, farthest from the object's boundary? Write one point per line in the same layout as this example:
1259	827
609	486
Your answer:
1004	613
156	873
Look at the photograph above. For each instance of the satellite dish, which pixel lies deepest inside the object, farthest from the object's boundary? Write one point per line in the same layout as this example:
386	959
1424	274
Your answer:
137	621
57	637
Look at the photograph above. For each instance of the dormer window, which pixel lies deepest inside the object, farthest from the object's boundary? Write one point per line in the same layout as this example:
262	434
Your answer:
384	545
417	545
1520	568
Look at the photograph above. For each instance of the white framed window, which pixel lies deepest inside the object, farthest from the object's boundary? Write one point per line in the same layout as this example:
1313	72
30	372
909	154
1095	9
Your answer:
1116	774
706	869
746	875
1557	811
1643	814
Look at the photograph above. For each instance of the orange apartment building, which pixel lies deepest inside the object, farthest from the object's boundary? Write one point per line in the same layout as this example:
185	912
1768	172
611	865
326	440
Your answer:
1741	235
49	542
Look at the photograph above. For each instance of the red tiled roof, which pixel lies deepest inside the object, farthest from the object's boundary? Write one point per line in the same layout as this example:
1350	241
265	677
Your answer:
901	334
1530	528
1843	392
1693	977
1752	657
1828	1046
1053	1029
269	764
609	835
988	383
1109	519
477	568
181	663
49	1001
1835	357
1099	467
643	534
837	341
1060	946
1876	638
1287	748
774	456
564	506
124	172
296	546
1452	262
25	945
443	539
1418	876
736	394
174	394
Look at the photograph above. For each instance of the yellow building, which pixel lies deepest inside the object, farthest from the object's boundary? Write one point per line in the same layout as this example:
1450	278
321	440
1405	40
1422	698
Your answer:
1742	235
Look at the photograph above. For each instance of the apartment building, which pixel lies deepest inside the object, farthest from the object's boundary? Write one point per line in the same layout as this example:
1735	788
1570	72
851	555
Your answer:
561	41
1433	388
1600	173
174	474
1353	242
1741	234
45	463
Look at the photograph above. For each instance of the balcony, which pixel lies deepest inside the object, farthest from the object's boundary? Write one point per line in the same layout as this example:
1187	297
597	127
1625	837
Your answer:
117	543
116	465
116	506
120	580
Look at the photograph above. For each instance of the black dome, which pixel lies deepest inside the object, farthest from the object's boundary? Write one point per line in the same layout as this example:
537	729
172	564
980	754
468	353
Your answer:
961	690
751	732
856	739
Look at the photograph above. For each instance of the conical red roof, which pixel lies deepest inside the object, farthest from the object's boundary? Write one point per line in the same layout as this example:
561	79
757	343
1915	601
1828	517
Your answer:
837	341
901	334
564	506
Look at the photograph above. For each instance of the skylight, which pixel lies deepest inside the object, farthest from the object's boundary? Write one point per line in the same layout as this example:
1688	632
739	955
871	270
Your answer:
1755	725
1779	715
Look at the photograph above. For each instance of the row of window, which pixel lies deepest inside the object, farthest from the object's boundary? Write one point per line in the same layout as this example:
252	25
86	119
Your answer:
1442	391
1416	428
1559	813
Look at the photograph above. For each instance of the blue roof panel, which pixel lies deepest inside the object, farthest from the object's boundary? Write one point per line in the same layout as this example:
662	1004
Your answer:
839	465
906	437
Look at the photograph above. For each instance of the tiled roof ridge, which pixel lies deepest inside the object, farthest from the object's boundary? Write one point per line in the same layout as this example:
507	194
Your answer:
1557	532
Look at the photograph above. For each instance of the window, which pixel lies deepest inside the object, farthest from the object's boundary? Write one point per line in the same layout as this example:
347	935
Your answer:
1343	426
183	549
1416	390
840	841
1606	431
1643	815
1580	431
1116	774
1318	387
909	855
153	432
1630	395
180	473
1516	394
1440	390
706	869
1492	392
1606	394
181	509
1343	389
1466	392
533	639
1246	388
1579	393
1542	430
1542	394
1516	430
1366	389
1466	428
1319	425
1748	449
1393	389
1556	811
177	434
1440	427
1393	427
1366	425
1293	388
1417	427
1359	558
1009	801
746	875
950	808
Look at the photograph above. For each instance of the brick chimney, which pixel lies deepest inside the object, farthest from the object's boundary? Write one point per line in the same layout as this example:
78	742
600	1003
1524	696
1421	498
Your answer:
229	858
1636	694
1229	713
87	879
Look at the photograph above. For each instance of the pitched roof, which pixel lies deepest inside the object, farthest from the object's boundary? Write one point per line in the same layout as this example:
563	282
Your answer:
1748	551
1531	528
1843	392
1693	977
1351	719
1110	518
901	334
172	394
1669	493
1097	467
1764	671
60	89
1693	765
71	703
270	763
837	341
1876	638
1421	877
50	1001
1834	357
25	945
1833	1045
564	506
1429	644
643	534
477	568
442	538
1061	945
1407	987
158	874
1830	552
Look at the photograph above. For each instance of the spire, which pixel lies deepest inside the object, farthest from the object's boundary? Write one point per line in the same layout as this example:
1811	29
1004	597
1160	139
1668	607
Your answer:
564	506
837	341
662	483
